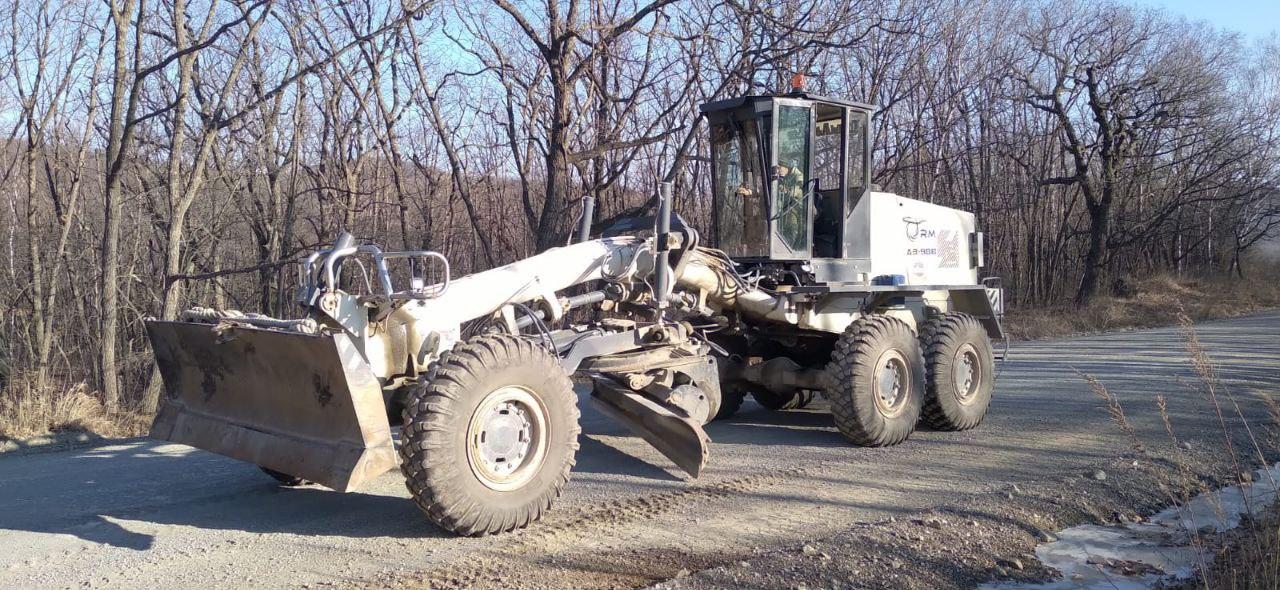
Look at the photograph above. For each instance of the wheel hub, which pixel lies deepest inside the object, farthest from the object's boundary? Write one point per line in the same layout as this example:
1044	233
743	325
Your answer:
507	438
965	374
891	383
504	440
693	402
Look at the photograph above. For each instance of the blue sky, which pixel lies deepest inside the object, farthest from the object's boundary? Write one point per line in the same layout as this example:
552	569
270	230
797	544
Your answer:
1256	19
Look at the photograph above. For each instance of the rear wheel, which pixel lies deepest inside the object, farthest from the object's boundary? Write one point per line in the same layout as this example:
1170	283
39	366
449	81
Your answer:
488	441
875	381
961	371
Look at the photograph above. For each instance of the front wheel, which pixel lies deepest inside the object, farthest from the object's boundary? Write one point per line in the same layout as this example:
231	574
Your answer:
488	442
875	381
286	480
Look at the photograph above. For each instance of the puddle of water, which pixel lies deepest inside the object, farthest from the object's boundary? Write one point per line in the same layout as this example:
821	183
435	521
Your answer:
1137	556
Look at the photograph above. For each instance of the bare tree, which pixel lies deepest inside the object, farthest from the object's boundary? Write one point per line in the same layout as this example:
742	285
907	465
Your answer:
1108	78
222	138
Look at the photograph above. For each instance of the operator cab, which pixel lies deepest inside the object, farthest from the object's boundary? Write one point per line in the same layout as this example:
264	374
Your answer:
787	172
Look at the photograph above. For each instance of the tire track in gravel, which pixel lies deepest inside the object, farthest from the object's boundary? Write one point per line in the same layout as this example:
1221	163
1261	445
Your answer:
558	531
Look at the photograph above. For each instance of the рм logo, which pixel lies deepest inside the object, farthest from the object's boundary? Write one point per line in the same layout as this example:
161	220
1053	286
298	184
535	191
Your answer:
914	230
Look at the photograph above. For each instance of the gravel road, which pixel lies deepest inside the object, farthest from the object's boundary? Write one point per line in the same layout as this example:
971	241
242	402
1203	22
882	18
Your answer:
148	514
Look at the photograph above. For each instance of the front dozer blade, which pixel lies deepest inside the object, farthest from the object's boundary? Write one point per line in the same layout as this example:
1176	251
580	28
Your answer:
679	438
303	404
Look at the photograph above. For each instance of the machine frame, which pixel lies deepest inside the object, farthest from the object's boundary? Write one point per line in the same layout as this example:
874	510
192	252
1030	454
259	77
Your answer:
866	297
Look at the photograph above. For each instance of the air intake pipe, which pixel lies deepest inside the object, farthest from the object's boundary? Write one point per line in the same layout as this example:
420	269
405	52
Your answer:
727	291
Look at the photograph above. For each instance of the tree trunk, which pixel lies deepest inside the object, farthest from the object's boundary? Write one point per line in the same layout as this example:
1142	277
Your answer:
1095	257
123	100
551	222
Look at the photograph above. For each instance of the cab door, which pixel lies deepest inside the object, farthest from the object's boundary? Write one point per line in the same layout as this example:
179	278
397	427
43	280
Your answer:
791	188
741	209
830	122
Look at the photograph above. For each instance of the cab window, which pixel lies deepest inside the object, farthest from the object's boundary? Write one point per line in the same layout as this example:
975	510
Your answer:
828	169
857	157
791	171
741	206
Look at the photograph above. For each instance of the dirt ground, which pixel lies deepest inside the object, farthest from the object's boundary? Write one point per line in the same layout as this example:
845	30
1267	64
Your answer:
974	538
781	490
979	538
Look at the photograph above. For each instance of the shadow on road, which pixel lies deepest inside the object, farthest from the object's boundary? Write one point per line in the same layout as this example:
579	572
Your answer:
105	531
595	456
118	495
809	427
124	494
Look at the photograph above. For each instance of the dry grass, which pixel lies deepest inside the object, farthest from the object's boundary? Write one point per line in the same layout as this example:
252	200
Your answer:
1155	301
26	412
1249	556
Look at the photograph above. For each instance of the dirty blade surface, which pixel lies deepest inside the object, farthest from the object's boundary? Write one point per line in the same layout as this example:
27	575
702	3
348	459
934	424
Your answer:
307	405
678	438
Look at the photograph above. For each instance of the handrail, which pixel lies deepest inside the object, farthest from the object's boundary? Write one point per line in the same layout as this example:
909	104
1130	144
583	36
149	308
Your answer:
333	258
415	292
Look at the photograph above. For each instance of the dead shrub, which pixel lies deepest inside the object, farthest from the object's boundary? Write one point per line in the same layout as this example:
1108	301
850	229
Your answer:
26	411
1155	301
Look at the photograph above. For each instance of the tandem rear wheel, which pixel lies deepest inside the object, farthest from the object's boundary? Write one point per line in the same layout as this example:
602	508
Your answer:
960	364
882	379
876	381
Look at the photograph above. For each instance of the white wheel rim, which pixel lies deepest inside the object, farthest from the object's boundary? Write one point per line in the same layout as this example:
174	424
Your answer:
966	374
892	383
507	438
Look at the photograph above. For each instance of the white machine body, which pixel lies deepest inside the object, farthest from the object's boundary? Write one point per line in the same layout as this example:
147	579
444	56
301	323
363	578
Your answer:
924	243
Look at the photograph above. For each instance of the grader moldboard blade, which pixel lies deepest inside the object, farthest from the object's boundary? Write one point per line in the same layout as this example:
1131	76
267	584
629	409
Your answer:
303	404
679	438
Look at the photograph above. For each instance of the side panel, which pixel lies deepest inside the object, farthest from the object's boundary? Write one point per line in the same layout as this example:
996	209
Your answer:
925	243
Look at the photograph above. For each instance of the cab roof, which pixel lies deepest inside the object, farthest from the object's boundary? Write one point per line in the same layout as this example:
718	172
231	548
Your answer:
756	99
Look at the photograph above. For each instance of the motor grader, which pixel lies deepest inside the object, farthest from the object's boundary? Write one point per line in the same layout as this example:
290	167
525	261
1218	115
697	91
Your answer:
810	282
